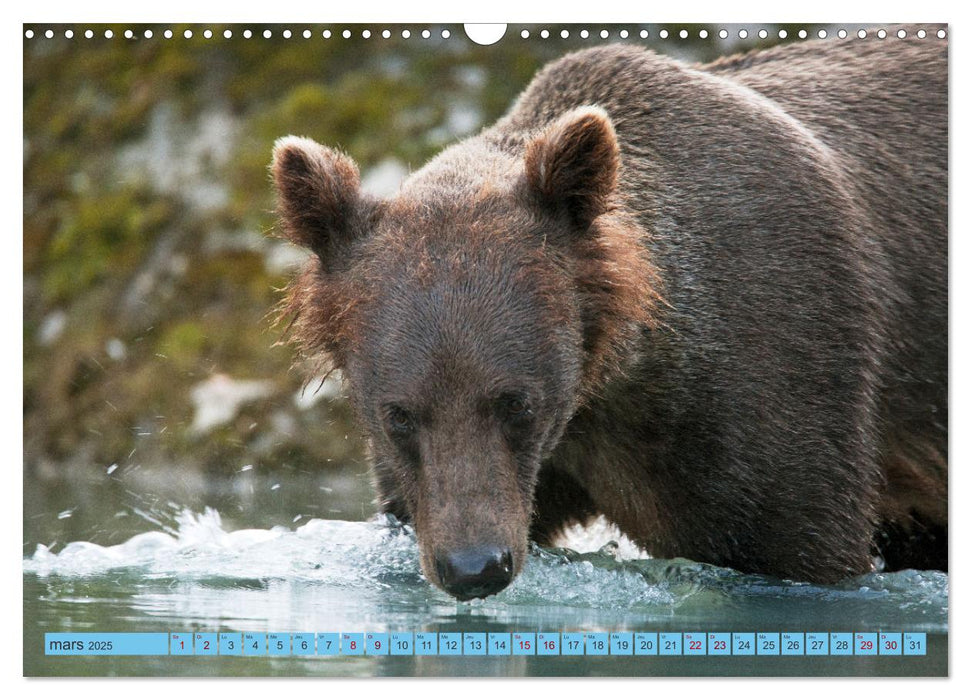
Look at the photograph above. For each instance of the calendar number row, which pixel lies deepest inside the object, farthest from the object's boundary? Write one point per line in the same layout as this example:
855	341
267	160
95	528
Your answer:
488	644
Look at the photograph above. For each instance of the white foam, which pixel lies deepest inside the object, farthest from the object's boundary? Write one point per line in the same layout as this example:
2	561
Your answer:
372	569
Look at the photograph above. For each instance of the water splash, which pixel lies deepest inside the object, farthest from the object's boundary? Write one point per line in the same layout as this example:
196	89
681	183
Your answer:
326	551
379	558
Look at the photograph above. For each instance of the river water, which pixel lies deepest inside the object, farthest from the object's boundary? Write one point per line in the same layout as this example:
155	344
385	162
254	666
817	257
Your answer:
195	570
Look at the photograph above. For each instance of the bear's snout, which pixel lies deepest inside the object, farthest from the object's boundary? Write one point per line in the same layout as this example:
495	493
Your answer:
474	572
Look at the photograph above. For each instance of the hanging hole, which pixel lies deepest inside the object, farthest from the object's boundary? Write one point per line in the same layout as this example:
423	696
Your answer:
485	34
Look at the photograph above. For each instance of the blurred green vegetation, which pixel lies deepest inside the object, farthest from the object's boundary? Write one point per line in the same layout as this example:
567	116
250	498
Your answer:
147	268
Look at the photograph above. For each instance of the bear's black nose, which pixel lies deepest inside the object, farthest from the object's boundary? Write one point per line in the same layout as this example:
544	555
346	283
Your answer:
475	572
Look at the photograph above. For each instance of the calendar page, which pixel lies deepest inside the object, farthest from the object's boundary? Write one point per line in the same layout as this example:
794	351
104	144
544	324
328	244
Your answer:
485	350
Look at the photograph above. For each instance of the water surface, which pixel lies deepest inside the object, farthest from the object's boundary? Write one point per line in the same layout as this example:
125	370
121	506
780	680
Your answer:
195	574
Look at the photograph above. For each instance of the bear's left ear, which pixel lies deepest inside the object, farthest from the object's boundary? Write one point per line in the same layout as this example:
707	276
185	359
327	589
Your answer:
573	164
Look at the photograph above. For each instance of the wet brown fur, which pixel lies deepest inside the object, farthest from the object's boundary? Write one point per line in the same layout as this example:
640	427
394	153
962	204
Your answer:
722	288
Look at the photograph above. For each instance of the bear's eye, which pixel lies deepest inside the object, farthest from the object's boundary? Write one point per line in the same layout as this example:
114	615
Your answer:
513	407
400	421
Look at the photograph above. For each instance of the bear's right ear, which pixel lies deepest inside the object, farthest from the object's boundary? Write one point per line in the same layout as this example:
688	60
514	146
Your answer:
318	194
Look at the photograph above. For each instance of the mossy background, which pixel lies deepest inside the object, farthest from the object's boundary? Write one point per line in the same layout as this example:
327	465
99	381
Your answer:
149	261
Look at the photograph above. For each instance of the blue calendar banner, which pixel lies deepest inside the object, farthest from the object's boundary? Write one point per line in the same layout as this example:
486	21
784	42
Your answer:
106	644
524	643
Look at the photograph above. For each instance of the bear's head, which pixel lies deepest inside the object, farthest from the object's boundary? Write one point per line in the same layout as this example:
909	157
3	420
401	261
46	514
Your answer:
470	314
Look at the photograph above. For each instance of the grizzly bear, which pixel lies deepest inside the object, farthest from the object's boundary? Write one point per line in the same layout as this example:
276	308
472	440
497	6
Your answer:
707	302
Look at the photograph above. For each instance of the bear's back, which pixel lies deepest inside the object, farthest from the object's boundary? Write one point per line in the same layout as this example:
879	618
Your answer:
795	204
807	167
882	106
